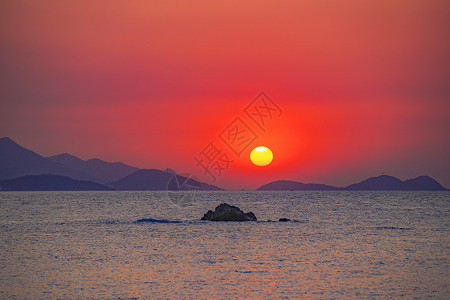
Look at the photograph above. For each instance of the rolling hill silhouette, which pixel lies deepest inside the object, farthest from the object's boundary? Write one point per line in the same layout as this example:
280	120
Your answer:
100	170
389	183
50	183
17	161
152	179
379	183
294	185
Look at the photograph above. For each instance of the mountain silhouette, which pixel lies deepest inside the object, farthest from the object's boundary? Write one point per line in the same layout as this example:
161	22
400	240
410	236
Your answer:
152	179
98	169
171	171
379	183
50	183
422	183
389	183
16	161
295	186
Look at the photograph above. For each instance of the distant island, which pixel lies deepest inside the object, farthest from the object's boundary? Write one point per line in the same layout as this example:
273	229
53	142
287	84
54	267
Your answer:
24	170
285	185
380	183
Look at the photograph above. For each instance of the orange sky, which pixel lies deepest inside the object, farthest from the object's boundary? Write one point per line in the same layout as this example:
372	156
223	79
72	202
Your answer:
363	85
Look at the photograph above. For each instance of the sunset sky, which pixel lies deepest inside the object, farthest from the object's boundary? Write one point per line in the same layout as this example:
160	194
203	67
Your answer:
363	87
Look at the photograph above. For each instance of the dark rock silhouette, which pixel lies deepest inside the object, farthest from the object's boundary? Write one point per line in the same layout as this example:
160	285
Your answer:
226	212
50	183
98	169
284	220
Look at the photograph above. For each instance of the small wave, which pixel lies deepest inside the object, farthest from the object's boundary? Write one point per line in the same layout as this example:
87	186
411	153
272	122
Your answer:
290	221
150	220
391	228
250	271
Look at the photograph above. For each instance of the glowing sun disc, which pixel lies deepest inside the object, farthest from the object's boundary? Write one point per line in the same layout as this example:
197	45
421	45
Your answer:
261	156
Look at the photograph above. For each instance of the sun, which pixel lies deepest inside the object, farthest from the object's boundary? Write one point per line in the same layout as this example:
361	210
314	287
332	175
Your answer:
261	156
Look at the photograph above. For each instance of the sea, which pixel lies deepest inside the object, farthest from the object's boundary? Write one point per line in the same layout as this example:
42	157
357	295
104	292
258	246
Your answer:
338	245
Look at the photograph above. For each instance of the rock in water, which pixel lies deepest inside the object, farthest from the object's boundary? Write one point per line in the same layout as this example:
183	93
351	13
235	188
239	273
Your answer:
226	212
284	220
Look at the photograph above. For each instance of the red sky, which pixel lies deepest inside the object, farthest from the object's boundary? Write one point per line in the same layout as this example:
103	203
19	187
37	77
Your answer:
363	85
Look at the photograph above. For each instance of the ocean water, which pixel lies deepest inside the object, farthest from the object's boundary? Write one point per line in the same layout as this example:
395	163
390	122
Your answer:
343	245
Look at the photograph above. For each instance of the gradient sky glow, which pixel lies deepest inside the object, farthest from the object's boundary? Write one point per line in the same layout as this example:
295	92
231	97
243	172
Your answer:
364	85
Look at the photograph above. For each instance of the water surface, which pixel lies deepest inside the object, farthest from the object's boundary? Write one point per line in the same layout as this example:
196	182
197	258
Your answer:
344	245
